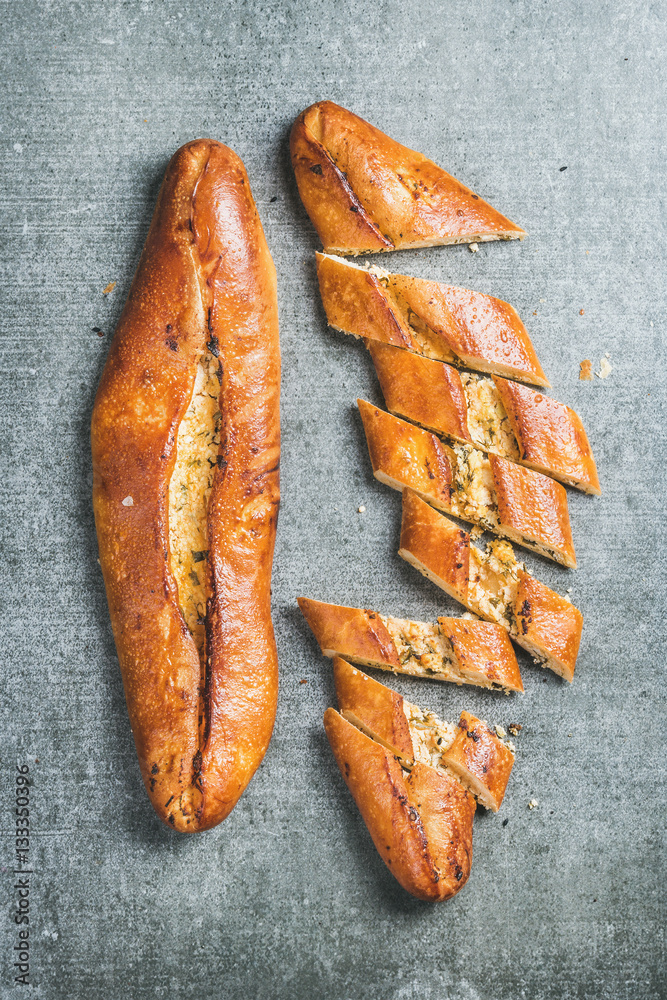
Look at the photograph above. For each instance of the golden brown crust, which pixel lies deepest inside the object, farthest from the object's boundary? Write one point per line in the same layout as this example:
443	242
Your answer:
484	333
548	625
404	455
533	510
481	760
356	302
358	635
550	435
205	281
541	621
428	393
483	653
365	192
378	707
427	534
421	825
471	652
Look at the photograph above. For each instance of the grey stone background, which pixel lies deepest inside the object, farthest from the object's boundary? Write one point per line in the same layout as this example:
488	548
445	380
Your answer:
288	899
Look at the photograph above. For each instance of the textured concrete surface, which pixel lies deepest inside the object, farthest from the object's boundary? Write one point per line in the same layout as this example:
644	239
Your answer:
288	898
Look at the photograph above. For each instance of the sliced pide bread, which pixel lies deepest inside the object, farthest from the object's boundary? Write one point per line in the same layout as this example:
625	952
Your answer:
441	322
493	585
476	754
498	416
459	479
366	193
453	649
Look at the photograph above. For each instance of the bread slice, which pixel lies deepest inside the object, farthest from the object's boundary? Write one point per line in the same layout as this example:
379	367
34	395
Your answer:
438	321
454	649
506	498
365	192
479	758
501	417
420	821
493	585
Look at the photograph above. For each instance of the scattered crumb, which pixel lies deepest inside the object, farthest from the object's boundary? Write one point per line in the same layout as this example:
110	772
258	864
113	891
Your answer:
110	287
505	822
515	728
605	369
651	323
586	371
535	312
500	732
581	312
303	681
476	533
533	803
96	329
473	247
36	760
543	300
569	736
510	746
361	509
128	502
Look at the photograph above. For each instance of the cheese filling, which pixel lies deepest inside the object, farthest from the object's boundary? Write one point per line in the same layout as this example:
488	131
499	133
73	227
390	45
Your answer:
420	647
431	737
493	583
488	422
197	445
474	498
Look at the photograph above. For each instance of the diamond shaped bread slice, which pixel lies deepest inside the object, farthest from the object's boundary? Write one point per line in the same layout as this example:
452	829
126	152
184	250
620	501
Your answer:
470	748
439	321
454	649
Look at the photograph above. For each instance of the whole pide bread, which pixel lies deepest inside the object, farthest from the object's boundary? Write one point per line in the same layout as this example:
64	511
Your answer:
186	444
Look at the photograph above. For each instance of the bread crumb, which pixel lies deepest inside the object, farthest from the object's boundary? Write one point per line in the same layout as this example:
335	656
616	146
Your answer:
515	728
500	732
110	287
476	533
361	509
581	312
473	247
586	371
510	746
303	681
605	369
128	502
533	803
469	616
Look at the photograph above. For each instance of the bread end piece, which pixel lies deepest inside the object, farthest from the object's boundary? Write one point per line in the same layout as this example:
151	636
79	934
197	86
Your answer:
421	824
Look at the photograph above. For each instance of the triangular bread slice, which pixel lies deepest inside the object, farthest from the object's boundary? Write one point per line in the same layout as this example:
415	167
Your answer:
498	416
501	496
365	192
439	321
493	585
420	821
454	649
469	747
